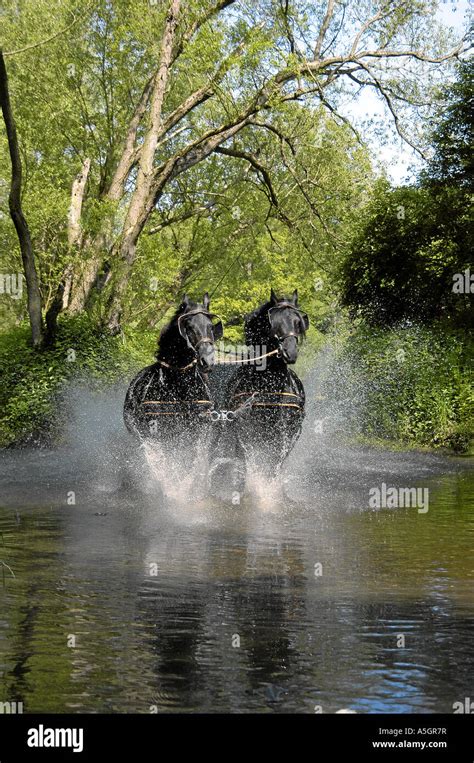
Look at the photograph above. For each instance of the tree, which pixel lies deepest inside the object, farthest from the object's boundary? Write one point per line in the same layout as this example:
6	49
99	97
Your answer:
415	242
452	162
16	212
401	264
204	75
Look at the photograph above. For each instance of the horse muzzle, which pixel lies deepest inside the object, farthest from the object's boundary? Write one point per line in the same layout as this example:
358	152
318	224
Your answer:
289	350
206	357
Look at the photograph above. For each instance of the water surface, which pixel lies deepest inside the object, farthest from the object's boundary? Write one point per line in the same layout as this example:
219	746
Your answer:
297	600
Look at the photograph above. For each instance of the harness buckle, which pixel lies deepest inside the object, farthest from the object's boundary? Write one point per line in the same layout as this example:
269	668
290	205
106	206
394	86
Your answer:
222	415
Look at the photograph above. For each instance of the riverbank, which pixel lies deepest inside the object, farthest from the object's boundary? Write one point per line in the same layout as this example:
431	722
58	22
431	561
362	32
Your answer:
408	387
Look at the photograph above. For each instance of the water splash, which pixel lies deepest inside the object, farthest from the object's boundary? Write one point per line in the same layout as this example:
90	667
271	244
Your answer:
99	459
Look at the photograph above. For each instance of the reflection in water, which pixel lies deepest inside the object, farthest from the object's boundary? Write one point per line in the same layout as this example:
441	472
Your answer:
126	601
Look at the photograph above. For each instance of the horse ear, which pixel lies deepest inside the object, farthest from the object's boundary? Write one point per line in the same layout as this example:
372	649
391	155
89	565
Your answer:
206	301
273	298
295	297
185	300
218	330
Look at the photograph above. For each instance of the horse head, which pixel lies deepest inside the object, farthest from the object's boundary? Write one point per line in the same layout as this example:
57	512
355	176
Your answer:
288	325
196	328
279	324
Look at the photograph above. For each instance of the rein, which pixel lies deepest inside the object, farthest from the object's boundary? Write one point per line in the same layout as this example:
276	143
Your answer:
248	403
219	362
235	360
246	360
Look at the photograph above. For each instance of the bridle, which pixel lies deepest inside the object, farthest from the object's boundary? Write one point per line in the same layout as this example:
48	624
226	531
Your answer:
194	347
204	339
302	316
274	398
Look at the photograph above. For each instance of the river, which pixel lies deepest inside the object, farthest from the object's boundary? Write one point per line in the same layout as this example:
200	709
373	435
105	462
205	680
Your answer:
302	598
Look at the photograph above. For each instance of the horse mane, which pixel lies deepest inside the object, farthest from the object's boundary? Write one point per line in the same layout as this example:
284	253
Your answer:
254	324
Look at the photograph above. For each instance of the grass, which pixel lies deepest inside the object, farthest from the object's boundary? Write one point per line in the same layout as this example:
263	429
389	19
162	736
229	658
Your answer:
409	385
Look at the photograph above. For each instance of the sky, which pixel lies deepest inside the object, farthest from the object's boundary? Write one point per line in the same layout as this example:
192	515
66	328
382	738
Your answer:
399	159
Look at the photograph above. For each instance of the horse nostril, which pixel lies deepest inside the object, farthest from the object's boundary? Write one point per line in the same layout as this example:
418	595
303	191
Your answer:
289	357
206	360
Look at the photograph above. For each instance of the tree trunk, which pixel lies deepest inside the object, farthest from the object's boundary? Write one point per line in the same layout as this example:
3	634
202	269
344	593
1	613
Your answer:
74	230
74	238
143	195
16	212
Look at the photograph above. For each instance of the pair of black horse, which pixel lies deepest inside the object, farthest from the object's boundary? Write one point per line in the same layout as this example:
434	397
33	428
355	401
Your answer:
248	410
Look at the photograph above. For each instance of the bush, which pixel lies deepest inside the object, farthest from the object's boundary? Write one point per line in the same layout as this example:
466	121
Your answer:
33	381
409	384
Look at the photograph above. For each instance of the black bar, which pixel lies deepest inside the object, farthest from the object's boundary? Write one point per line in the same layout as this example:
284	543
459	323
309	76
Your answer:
319	737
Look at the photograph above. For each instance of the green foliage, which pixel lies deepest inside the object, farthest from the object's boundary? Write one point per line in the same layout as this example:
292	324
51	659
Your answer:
402	261
241	245
413	240
32	381
73	98
452	136
411	385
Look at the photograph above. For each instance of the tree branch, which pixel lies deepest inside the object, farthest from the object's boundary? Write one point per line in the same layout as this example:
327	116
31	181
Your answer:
147	153
48	39
128	155
382	13
197	211
289	32
315	66
196	25
77	197
275	131
324	28
255	164
385	95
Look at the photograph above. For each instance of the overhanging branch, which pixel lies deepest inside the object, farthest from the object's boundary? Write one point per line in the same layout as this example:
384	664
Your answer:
195	212
251	159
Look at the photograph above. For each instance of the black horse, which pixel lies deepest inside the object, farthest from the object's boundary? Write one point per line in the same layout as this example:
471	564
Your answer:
266	395
169	401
